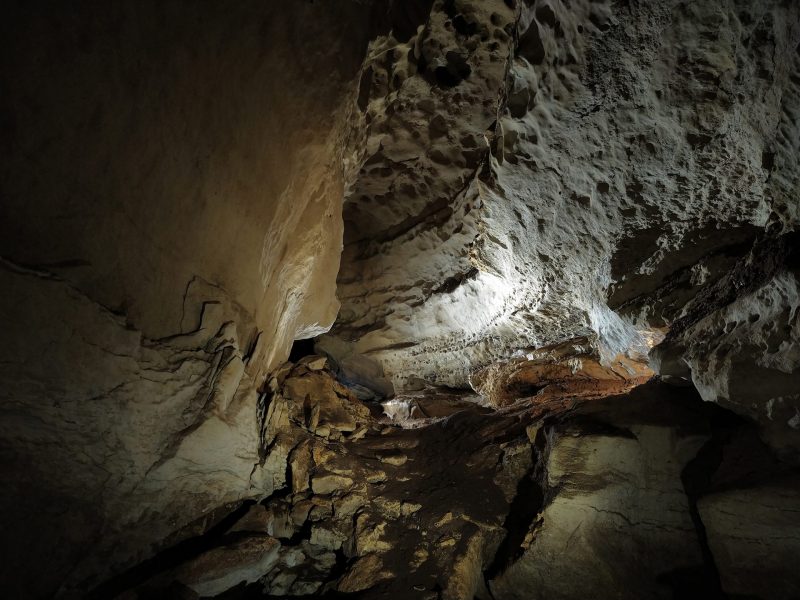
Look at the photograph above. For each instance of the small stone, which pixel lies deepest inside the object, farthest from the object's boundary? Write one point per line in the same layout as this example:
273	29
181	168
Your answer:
368	535
292	557
281	584
301	463
324	559
348	505
420	556
327	538
376	477
409	508
313	362
327	484
394	459
446	518
300	512
322	454
320	512
358	433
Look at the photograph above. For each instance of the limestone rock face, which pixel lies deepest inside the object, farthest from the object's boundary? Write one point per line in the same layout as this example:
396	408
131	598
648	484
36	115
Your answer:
743	352
521	199
542	170
222	568
170	222
753	535
615	519
569	369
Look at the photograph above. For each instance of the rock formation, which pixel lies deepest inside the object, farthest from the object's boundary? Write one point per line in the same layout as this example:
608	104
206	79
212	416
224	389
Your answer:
171	222
593	165
534	264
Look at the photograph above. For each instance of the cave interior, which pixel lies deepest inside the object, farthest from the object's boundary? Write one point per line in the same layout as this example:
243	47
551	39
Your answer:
400	299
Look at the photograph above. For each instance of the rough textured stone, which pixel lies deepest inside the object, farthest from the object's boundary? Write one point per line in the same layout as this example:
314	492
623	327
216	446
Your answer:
223	568
572	368
614	520
746	356
365	573
325	484
560	169
530	195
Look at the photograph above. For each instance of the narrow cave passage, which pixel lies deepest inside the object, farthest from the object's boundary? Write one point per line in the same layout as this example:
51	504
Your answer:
383	299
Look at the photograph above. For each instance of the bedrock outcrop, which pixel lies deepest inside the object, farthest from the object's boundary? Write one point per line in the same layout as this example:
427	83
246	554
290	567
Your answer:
170	222
541	170
738	341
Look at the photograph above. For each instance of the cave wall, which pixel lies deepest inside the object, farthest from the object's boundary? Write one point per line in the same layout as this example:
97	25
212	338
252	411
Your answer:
541	170
499	177
170	222
738	342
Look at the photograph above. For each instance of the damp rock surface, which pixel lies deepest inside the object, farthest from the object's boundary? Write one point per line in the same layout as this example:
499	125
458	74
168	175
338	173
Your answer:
753	535
615	520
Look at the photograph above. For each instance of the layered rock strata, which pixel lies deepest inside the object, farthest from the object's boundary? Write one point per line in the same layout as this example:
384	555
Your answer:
170	222
738	341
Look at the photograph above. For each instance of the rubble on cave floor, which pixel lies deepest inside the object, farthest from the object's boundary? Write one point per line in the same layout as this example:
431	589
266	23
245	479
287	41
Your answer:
556	498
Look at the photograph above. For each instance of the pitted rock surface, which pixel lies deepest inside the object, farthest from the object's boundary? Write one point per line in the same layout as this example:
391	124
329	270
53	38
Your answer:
543	170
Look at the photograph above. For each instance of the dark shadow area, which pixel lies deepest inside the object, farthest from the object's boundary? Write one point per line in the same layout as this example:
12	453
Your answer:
172	557
301	348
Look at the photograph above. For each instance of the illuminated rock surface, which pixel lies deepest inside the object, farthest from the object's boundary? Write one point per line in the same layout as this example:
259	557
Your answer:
528	238
594	156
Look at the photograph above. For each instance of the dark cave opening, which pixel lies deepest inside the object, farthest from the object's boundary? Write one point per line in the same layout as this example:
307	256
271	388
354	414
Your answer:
301	348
